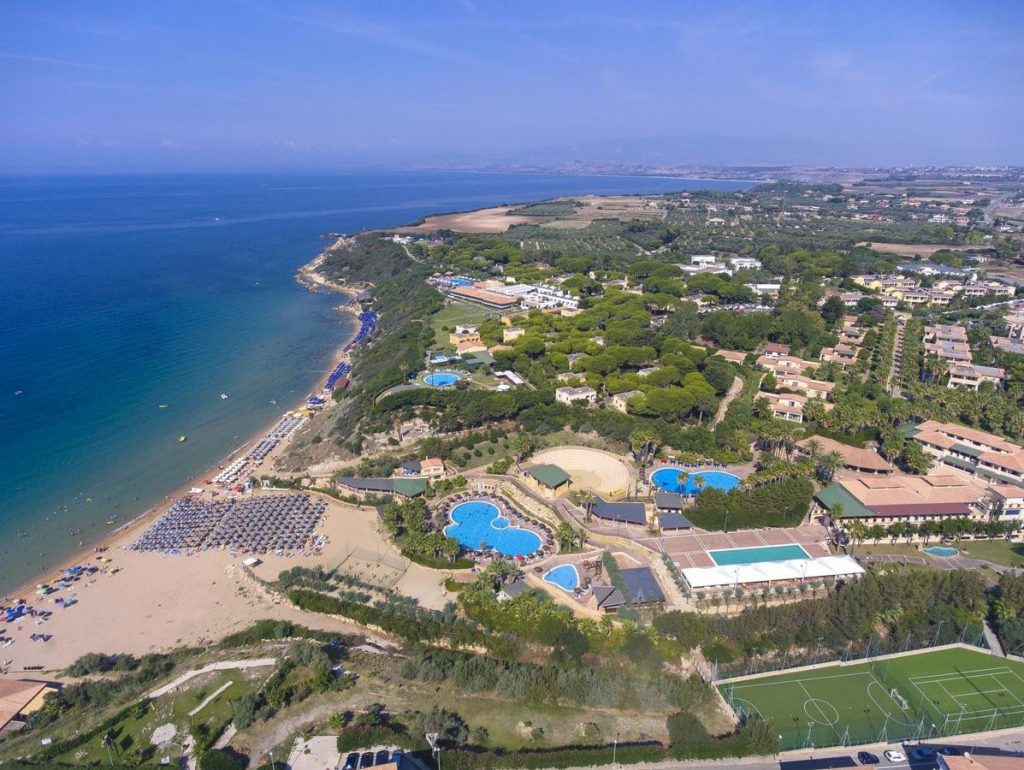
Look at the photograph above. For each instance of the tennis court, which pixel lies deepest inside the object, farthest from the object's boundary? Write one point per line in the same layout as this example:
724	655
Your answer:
936	693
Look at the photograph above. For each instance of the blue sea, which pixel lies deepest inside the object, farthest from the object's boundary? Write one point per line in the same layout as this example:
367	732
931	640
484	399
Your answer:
122	293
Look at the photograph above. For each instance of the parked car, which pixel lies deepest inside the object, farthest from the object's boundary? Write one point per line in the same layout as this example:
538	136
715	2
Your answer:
922	754
382	758
867	758
895	756
351	761
366	760
397	754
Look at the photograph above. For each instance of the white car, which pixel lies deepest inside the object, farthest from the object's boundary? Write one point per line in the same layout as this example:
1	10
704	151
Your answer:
895	756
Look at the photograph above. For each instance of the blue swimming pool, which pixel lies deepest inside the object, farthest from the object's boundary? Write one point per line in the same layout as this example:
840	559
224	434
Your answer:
564	576
941	550
477	522
442	379
667	480
732	556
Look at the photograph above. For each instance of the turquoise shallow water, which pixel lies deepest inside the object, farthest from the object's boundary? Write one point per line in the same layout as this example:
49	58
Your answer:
118	294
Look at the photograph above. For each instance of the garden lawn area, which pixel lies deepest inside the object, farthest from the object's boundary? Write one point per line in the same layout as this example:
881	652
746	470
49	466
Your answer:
998	551
458	313
131	736
500	448
935	693
867	548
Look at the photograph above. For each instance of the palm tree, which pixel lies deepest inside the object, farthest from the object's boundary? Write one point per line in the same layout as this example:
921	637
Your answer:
858	531
812	448
830	464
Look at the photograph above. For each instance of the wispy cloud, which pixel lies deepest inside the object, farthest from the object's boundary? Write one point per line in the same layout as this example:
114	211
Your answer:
370	31
53	61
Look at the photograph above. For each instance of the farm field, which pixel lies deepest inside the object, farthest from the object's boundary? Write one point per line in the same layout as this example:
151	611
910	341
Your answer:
942	692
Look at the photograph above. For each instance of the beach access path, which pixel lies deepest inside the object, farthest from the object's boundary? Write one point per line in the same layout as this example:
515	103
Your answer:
221	665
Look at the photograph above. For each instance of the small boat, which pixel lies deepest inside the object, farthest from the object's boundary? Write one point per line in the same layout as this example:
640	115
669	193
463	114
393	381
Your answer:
224	396
163	406
18	392
182	438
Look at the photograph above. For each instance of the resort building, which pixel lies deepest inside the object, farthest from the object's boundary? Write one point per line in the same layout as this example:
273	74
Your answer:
463	334
805	385
973	451
885	498
405	487
624	513
510	378
791	572
775	350
570	395
785	406
465	348
779	365
842	354
484	297
642	591
548	479
510	333
19	700
512	590
735	356
860	460
745	263
669	506
620	401
428	468
1008	344
966	375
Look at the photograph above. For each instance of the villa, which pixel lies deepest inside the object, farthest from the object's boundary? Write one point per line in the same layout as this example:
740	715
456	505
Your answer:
620	401
569	395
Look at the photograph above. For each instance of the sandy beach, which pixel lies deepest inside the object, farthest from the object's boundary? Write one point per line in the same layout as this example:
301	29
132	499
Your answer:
156	602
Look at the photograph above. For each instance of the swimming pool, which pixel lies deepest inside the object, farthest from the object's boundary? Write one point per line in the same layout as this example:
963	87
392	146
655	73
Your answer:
564	576
477	522
941	550
667	479
731	556
442	379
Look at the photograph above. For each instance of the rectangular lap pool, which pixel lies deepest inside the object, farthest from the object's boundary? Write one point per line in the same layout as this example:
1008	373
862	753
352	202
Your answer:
731	556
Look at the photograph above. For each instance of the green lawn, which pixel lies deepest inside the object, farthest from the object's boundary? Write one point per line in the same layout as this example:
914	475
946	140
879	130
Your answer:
131	736
944	692
458	313
998	551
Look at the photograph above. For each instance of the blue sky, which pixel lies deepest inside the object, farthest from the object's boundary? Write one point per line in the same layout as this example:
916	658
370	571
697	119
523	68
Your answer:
261	84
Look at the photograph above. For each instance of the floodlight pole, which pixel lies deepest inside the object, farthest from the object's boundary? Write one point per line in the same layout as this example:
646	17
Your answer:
937	631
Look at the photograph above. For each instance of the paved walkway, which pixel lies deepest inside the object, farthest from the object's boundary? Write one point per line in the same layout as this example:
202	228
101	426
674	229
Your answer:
218	666
940	562
723	406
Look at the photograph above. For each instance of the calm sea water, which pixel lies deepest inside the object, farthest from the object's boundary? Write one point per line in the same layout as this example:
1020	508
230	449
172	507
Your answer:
118	294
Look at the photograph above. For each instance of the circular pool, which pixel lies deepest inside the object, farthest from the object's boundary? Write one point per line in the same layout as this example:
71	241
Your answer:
478	523
668	480
442	379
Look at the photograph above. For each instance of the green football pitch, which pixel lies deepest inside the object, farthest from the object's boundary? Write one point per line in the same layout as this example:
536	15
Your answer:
942	692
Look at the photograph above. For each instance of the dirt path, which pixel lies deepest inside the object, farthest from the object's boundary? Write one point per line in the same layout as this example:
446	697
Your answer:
730	396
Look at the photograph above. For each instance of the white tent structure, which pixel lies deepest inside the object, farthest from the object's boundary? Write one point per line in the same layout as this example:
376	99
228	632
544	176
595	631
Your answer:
771	572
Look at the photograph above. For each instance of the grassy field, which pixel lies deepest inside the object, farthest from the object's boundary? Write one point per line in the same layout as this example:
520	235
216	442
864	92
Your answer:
943	692
458	313
132	736
998	551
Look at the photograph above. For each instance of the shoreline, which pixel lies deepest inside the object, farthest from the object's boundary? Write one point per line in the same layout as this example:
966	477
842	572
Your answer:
305	276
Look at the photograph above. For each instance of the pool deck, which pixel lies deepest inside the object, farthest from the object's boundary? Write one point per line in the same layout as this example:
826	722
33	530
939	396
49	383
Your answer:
689	549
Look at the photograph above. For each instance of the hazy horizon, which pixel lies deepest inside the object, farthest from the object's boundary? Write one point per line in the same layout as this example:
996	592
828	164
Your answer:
247	85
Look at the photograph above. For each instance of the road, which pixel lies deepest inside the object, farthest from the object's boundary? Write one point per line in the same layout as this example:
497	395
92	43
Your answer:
723	406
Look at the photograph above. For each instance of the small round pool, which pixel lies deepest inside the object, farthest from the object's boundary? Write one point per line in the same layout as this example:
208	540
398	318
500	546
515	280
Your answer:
564	576
442	379
667	480
941	550
477	523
